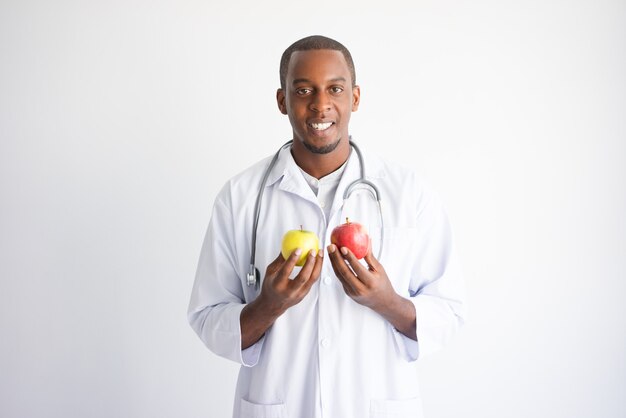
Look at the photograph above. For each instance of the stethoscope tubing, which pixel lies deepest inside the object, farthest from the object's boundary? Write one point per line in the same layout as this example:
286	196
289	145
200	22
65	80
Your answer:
254	276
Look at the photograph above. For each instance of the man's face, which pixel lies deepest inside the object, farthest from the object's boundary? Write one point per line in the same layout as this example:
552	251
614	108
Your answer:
318	98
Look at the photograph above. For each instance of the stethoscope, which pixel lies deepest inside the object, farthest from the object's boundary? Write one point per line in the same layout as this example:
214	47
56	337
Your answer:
254	276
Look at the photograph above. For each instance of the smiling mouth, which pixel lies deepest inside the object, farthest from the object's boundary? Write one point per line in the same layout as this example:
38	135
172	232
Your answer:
321	126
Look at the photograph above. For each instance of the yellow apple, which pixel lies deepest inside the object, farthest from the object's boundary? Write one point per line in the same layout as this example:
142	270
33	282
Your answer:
299	238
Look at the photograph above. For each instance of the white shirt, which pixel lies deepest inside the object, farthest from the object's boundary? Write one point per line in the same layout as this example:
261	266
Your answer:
325	188
328	357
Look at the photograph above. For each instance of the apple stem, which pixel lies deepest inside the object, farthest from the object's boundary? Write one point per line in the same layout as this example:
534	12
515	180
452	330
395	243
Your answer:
347	220
301	229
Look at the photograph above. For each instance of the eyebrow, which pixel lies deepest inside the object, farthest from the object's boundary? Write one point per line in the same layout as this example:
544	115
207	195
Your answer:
306	80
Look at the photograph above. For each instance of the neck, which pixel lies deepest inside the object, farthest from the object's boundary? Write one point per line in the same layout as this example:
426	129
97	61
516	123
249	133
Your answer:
320	165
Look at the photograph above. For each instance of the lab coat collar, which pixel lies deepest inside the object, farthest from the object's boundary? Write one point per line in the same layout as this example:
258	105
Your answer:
291	179
286	168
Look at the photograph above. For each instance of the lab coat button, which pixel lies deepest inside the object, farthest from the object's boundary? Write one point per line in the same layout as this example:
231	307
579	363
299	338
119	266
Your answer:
323	204
326	280
325	343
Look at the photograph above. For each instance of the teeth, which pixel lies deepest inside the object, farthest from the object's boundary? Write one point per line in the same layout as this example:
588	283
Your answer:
321	126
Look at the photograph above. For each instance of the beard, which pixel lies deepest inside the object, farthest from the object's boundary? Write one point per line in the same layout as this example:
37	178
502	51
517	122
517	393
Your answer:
324	149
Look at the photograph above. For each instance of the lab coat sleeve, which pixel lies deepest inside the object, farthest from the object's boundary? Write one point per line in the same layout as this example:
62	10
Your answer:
217	297
436	287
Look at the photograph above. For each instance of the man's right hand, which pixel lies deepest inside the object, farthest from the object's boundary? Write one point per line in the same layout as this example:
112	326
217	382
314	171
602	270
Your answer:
278	293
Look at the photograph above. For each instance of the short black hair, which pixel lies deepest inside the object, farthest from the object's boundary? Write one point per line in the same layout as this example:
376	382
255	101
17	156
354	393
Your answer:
312	43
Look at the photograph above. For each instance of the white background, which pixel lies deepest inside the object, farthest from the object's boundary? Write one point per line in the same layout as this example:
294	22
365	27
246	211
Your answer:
120	120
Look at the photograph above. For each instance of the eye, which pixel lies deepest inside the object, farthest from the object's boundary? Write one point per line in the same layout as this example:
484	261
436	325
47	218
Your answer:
303	91
336	89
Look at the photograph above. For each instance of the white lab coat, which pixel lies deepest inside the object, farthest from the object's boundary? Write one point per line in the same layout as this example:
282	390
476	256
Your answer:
328	356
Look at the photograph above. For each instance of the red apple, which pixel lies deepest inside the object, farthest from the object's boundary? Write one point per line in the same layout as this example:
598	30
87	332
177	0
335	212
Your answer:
353	236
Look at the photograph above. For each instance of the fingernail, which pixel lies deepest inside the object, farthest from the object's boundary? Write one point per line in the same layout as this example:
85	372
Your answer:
344	251
320	254
298	251
313	253
331	248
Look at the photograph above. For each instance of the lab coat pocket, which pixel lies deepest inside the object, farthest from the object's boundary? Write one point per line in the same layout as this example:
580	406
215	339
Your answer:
406	408
253	410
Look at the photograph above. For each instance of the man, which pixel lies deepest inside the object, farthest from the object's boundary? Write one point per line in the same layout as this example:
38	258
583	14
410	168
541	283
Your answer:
344	346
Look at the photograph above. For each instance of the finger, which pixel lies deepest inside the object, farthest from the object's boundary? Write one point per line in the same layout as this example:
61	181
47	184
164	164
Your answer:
343	271
372	262
315	273
306	270
288	265
362	273
317	269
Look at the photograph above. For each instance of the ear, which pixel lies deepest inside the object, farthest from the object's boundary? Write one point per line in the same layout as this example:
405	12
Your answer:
280	100
356	98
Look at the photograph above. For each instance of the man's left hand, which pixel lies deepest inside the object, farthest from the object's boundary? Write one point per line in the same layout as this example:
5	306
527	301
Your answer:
370	286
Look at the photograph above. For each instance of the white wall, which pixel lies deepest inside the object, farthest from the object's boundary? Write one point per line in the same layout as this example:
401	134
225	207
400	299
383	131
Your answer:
120	120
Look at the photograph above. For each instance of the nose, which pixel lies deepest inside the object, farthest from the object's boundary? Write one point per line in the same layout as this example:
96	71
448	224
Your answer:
320	102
